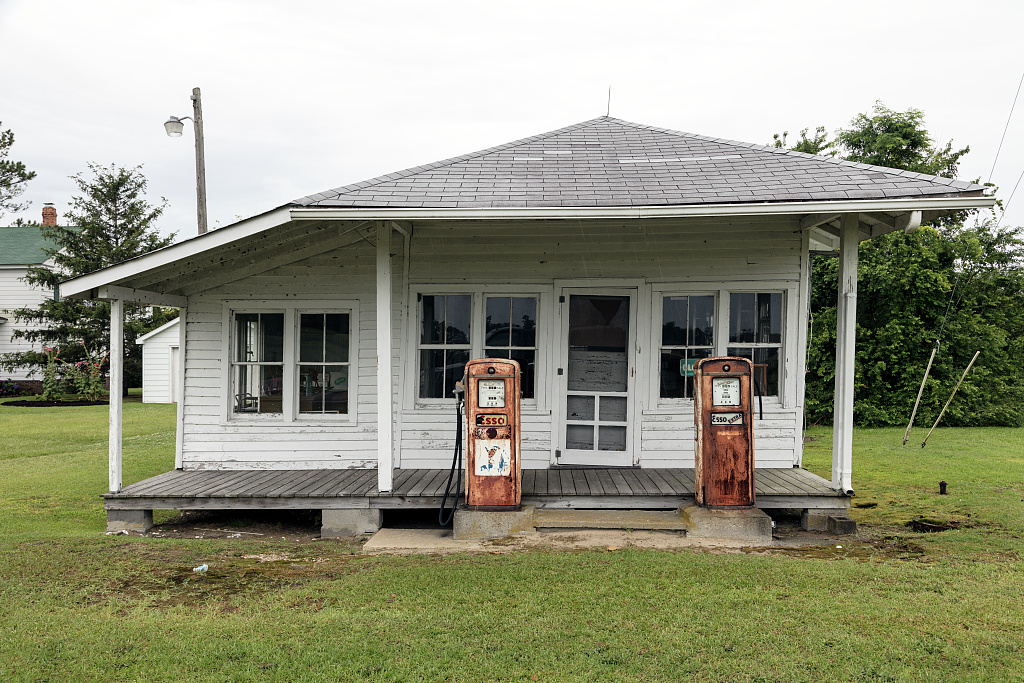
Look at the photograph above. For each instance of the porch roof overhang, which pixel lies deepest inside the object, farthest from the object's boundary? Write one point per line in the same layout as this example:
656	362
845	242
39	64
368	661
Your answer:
289	233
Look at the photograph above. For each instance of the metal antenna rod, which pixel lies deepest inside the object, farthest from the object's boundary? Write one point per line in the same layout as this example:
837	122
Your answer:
906	434
925	442
609	112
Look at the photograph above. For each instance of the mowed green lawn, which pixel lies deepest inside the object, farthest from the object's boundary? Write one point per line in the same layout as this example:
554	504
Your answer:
889	605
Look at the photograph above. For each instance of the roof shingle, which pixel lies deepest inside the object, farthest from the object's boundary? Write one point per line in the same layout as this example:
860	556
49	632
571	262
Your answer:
610	162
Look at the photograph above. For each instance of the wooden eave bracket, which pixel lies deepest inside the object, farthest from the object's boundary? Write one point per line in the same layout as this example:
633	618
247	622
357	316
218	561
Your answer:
814	220
136	296
404	227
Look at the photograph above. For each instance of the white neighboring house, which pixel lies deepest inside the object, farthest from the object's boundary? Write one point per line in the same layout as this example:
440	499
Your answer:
160	364
20	249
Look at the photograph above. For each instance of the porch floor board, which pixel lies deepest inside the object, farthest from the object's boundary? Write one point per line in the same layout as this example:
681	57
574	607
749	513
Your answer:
423	488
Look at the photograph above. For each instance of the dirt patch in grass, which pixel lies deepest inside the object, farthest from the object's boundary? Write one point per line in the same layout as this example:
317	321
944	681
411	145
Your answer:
227	574
859	548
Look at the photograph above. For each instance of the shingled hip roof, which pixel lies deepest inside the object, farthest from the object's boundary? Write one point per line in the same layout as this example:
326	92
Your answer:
609	162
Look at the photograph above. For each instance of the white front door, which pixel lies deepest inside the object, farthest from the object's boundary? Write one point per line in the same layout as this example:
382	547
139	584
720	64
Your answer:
596	377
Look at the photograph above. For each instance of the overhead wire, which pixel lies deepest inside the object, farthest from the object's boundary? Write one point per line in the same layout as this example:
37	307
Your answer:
1005	128
954	300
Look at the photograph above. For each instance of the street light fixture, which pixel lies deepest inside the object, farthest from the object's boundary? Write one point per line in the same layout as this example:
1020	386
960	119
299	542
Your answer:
174	128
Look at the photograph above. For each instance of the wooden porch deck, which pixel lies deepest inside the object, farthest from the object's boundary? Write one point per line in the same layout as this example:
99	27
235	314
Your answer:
561	488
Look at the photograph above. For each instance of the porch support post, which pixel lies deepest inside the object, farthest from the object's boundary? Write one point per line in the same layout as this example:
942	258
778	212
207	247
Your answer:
116	389
846	335
385	408
179	392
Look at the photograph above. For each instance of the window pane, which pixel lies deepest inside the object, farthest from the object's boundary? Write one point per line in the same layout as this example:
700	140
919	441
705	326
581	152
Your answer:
673	321
499	316
335	388
432	328
246	327
455	368
311	337
766	367
742	317
611	439
598	337
613	409
271	385
311	388
524	321
245	385
702	321
677	371
766	370
769	318
457	315
528	365
431	373
579	407
272	334
336	333
579	437
672	383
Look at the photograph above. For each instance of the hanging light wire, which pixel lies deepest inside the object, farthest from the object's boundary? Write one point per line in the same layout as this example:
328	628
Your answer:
1005	128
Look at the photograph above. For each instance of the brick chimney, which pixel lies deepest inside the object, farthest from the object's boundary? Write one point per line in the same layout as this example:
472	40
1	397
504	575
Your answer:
49	214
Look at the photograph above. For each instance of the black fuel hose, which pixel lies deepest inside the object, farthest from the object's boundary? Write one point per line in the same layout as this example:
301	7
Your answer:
456	461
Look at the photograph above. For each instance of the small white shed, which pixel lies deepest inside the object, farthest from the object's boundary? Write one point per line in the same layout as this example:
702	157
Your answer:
160	363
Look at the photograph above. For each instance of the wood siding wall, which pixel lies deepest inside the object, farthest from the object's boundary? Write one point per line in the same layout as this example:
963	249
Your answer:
14	294
654	256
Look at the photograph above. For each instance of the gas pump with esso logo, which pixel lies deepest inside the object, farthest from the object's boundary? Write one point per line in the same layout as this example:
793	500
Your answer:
493	473
723	415
491	390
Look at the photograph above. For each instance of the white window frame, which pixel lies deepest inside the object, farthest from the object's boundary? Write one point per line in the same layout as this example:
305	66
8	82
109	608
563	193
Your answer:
478	317
290	393
780	345
657	345
722	291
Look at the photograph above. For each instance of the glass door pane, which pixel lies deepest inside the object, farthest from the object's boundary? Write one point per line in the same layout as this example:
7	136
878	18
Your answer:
597	375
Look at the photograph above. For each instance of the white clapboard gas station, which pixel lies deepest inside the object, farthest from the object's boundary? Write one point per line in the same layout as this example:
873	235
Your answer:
323	340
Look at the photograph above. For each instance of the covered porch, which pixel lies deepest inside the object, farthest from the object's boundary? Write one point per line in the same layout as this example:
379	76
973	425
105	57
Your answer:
353	496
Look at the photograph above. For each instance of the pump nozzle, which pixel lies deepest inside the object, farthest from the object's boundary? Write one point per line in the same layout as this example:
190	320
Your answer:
459	390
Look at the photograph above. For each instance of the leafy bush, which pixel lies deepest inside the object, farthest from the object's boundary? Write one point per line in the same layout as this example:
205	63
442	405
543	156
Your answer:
8	388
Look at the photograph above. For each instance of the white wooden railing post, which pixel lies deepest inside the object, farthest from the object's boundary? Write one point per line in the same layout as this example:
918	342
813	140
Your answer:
179	392
385	408
846	336
116	389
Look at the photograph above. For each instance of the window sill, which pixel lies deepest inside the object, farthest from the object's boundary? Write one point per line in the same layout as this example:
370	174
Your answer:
259	421
445	409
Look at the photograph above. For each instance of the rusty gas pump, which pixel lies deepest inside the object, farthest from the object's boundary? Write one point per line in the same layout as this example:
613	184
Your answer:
493	470
723	415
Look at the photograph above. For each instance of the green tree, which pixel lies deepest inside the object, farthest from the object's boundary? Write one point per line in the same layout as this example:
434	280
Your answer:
13	176
906	283
111	221
897	140
818	144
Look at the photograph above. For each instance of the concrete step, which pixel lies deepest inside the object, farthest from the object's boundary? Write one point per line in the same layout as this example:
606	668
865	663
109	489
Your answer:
609	519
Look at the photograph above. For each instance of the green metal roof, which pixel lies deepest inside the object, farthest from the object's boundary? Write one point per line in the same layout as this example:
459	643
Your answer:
22	246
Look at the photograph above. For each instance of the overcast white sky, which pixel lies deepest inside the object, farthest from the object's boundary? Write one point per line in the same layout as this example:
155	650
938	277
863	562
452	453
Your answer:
303	96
